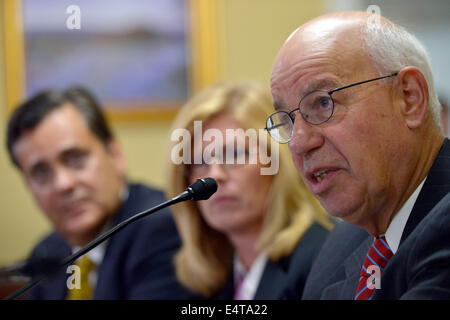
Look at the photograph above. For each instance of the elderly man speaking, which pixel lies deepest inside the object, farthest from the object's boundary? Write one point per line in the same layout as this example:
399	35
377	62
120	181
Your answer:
355	100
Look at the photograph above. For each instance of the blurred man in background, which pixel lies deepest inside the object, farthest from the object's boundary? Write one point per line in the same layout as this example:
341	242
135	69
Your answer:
75	169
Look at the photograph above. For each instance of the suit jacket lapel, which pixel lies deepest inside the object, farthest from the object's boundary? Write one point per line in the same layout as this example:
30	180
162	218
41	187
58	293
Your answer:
55	287
109	267
272	280
227	292
436	186
346	288
58	291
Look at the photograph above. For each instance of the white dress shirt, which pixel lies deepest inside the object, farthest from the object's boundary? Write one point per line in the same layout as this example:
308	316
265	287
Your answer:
395	230
252	277
96	256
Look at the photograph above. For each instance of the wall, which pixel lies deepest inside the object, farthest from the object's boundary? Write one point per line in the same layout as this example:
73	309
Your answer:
252	32
21	224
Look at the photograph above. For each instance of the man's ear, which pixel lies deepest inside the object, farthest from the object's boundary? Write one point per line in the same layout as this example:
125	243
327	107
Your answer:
115	150
411	94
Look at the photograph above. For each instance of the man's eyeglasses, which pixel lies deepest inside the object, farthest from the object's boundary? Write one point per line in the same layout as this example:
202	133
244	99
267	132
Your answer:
316	107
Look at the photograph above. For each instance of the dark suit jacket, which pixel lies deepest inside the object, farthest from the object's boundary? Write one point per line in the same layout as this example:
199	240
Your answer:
138	259
284	279
421	266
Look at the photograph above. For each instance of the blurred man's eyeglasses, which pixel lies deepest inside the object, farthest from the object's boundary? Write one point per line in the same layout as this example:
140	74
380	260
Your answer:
315	107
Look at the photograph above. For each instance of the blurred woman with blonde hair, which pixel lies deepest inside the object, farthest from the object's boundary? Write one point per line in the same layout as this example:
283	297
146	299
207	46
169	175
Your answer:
257	236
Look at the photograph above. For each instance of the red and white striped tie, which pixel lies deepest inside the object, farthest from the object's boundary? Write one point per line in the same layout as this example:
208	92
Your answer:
376	260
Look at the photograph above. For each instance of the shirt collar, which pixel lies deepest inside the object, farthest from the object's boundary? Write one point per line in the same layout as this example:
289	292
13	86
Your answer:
96	254
239	270
124	193
252	277
395	230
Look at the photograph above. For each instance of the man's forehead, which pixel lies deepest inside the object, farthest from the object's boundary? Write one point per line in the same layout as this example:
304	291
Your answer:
280	102
31	151
318	84
61	130
317	58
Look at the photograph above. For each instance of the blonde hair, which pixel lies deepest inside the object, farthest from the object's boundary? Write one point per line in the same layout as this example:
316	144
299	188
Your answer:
204	260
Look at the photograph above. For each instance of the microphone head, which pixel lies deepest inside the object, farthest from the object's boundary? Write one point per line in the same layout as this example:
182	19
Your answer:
202	189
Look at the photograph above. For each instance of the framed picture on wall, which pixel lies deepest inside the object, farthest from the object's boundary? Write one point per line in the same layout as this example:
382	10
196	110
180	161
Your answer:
141	58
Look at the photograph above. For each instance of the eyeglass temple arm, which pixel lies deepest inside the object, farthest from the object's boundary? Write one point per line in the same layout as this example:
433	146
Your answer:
361	82
275	126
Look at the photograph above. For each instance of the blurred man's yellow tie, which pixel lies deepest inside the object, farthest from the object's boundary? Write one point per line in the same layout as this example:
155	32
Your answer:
85	291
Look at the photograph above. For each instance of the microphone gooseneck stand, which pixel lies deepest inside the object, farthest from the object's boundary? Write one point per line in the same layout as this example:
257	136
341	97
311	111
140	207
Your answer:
201	189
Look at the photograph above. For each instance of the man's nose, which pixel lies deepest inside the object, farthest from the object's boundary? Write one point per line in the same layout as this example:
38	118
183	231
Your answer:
305	137
64	179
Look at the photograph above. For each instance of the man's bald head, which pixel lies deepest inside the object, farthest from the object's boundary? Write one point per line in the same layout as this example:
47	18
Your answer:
361	39
339	35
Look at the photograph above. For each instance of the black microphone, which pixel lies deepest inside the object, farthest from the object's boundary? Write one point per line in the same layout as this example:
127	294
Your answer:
201	189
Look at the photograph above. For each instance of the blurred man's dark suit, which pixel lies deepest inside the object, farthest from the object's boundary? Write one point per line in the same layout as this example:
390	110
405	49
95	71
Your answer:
138	259
420	269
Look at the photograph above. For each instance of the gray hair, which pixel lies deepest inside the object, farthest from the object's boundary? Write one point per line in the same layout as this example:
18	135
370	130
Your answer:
392	48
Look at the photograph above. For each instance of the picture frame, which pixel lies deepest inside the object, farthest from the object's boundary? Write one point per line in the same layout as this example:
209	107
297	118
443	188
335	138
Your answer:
201	56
